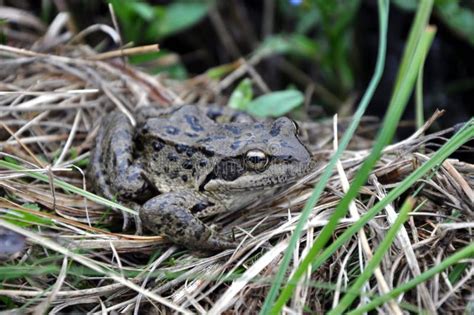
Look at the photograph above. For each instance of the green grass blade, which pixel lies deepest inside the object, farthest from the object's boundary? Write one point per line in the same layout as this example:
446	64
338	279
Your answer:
16	272
383	20
419	115
354	290
392	117
466	252
421	20
67	187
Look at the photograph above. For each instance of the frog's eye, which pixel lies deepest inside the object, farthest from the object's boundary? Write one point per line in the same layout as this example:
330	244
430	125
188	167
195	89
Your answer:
256	160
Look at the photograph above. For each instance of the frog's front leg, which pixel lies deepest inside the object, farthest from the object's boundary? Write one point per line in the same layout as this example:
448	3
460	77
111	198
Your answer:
113	172
172	215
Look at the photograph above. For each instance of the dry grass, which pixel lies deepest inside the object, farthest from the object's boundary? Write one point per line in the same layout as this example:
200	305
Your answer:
52	95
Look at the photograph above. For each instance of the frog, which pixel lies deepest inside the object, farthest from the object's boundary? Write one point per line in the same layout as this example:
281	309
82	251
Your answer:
180	165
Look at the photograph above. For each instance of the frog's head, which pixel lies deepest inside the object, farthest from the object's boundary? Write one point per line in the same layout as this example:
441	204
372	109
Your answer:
257	157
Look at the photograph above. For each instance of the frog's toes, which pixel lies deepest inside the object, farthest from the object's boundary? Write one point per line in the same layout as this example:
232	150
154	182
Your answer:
216	243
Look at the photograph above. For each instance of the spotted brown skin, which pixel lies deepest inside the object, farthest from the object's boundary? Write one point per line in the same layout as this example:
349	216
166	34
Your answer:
184	163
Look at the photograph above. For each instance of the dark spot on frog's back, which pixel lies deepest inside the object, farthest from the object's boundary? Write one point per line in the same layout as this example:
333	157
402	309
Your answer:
211	138
180	148
191	135
235	145
285	144
187	164
190	152
275	131
172	157
213	113
184	178
193	122
171	130
207	153
234	129
157	145
173	174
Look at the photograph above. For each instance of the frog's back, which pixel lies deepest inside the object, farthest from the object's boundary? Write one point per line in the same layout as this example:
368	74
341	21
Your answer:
199	128
167	139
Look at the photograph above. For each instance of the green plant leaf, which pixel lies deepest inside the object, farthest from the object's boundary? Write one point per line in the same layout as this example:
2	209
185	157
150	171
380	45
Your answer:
275	104
142	9
294	44
32	206
408	5
10	160
151	61
179	16
132	18
21	218
308	20
242	95
457	272
218	72
15	272
457	18
143	22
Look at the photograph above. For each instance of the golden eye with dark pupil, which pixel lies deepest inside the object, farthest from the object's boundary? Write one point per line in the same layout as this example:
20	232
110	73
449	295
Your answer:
256	160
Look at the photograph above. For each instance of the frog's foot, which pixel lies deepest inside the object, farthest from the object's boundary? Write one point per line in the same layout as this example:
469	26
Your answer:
216	242
126	220
170	215
129	218
138	225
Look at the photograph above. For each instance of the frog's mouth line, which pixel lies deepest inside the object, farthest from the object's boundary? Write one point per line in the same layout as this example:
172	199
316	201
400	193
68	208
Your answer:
215	185
248	182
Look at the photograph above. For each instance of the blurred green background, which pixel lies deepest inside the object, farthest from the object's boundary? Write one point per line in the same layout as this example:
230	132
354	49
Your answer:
325	49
